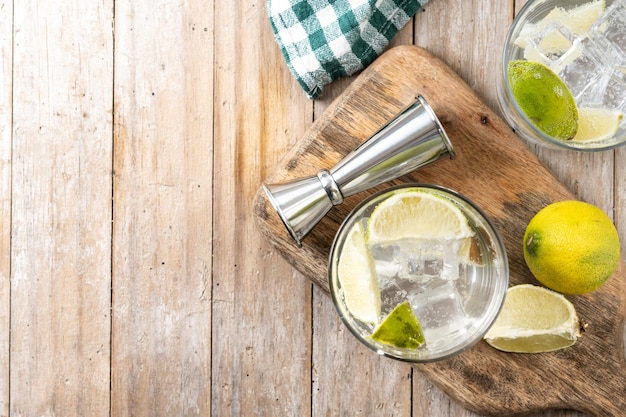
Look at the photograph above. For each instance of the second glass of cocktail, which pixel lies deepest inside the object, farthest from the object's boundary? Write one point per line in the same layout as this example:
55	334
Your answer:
562	74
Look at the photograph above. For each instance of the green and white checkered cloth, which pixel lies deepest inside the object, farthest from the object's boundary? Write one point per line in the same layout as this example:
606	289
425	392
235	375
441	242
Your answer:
323	40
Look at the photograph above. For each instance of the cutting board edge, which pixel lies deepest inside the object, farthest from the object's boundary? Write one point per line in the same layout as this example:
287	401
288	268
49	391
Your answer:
367	75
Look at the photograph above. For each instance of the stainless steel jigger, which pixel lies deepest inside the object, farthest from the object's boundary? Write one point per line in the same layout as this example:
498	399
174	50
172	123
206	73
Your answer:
413	139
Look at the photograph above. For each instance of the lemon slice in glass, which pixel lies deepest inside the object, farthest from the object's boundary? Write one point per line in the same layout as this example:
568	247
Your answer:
400	329
595	124
357	277
580	19
534	319
415	214
577	20
531	30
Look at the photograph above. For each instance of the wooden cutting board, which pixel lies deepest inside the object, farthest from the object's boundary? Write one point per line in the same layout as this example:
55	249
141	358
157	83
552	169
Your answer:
495	170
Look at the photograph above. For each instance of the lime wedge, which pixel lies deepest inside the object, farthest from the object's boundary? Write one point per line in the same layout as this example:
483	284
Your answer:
357	277
531	30
400	329
554	43
533	320
577	20
580	19
595	124
544	98
416	214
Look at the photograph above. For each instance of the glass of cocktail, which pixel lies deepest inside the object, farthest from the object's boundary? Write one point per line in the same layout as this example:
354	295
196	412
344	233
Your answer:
418	273
563	73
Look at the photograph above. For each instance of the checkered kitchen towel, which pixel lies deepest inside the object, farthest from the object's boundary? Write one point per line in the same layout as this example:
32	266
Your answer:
323	40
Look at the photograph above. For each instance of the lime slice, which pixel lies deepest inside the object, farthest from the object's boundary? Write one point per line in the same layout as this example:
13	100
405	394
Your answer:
580	19
534	319
532	30
595	124
416	214
357	276
577	20
400	329
544	98
554	43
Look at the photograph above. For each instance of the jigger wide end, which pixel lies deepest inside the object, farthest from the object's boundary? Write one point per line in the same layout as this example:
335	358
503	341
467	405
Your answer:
442	133
300	204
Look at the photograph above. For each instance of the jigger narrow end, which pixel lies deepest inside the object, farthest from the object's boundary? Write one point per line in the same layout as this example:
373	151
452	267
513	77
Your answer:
300	204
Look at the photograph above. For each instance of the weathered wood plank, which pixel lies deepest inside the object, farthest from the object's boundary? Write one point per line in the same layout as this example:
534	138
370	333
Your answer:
6	127
619	205
61	208
262	308
162	232
468	36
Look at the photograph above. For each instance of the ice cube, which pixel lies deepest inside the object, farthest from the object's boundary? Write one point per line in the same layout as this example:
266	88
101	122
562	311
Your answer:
433	265
383	252
385	260
554	41
439	308
451	261
612	26
592	94
614	96
417	260
554	46
585	69
393	291
608	91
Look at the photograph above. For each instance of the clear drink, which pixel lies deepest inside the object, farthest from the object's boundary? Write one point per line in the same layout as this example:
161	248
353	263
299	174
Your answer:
586	49
455	286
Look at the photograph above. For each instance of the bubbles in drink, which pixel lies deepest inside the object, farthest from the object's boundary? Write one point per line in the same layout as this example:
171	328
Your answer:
584	70
615	92
612	26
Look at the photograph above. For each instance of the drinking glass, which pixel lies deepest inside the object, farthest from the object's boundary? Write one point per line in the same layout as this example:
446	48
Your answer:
455	299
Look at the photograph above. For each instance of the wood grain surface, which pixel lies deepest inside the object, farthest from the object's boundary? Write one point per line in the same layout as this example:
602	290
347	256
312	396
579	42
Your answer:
495	170
60	230
134	281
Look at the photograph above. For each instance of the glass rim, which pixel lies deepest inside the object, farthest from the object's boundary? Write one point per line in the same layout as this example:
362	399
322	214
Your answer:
498	294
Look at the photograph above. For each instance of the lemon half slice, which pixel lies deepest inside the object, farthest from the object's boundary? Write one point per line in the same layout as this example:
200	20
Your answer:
595	124
577	20
416	214
581	18
534	319
357	276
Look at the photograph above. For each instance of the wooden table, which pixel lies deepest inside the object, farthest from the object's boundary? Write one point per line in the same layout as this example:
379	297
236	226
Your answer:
133	281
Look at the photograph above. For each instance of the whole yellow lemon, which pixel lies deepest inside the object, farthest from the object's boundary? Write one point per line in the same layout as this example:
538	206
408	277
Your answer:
571	247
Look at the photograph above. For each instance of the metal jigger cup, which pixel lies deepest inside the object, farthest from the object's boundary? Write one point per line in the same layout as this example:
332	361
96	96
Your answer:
411	140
